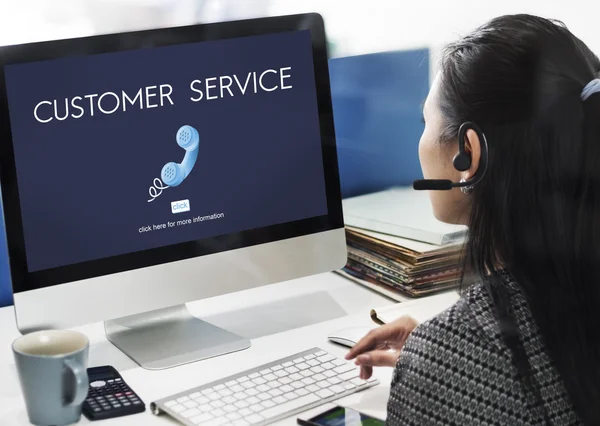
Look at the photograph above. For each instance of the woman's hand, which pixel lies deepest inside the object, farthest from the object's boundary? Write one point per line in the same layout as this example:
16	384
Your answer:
381	346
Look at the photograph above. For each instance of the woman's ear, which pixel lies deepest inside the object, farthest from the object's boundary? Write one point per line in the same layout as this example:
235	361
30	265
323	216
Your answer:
473	148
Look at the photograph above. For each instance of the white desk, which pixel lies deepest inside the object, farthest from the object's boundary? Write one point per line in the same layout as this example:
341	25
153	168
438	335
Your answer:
281	320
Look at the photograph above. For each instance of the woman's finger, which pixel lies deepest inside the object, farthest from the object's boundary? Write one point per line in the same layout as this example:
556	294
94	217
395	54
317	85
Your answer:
378	358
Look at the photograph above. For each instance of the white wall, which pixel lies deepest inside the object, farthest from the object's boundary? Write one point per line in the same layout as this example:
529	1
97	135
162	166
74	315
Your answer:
354	26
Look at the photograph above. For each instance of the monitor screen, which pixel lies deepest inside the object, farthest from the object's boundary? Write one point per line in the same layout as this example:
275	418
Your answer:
128	151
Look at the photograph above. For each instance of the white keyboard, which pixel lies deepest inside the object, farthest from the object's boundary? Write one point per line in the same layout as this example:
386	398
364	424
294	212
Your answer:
267	393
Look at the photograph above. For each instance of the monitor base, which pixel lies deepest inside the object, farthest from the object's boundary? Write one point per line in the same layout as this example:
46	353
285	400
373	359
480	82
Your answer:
170	337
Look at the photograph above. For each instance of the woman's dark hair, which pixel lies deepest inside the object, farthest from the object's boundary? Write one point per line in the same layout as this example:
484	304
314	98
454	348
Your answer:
537	210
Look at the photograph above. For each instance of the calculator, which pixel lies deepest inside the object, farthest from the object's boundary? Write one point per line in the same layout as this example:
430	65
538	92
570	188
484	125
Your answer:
109	396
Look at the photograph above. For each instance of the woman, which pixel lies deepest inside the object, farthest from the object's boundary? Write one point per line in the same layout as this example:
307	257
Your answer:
522	346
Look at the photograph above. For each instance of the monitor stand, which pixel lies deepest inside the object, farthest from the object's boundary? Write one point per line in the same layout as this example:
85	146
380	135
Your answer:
170	337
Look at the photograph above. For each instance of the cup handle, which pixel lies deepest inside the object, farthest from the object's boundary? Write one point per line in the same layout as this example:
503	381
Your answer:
81	382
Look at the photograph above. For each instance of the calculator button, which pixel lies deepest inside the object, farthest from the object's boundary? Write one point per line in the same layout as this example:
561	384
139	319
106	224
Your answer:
138	402
111	381
126	404
117	405
97	410
98	384
118	380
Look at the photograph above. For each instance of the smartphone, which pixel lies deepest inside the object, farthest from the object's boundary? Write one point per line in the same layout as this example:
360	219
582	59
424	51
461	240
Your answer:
341	416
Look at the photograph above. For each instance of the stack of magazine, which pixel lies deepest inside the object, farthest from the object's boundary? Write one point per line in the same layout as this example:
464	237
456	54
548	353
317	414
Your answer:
401	254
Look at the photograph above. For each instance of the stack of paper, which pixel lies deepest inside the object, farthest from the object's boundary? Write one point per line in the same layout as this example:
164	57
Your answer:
396	245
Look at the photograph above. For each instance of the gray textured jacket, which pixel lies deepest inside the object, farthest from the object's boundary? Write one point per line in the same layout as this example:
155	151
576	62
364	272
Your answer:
456	370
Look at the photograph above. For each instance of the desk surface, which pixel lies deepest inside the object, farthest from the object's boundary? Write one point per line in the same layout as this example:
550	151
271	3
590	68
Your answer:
280	319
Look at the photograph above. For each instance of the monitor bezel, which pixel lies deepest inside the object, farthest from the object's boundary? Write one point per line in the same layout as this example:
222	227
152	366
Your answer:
23	280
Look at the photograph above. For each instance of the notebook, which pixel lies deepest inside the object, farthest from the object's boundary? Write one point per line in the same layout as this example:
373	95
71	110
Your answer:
401	212
416	308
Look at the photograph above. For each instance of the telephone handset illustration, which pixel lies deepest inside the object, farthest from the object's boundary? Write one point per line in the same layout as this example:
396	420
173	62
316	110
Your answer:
172	174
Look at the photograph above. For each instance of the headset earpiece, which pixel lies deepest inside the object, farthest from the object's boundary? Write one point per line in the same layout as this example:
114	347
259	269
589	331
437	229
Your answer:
462	160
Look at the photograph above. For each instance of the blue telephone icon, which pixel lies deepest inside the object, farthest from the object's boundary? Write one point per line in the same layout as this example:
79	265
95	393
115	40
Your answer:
173	174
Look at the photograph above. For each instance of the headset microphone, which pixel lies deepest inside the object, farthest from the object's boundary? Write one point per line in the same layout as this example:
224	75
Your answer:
461	162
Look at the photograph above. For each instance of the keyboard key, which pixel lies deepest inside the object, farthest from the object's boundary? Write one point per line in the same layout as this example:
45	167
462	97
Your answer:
230	383
292	370
286	388
337	389
296	377
207	391
254	375
248	385
290	396
325	358
320	353
253	400
178	408
190	404
169	404
205	408
230	409
318	369
202	418
319	377
265	371
306	373
219	387
254	418
183	399
325	393
279	399
302	366
241	404
313	388
349	386
287	364
263	388
243	379
298	360
202	400
328	366
245	412
270	377
257	408
236	388
349	375
275	384
307	357
240	396
334	381
285	380
188	414
213	396
281	373
225	392
217	422
229	400
275	392
233	416
241	422
268	404
217	404
259	381
218	412
324	384
329	373
276	368
358	381
313	362
301	392
263	396
297	385
286	407
344	368
252	392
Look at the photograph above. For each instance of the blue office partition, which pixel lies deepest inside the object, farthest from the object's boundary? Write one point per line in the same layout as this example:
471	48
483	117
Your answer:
377	100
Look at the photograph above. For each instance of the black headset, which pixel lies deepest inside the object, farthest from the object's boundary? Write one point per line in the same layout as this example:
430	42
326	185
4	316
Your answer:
461	162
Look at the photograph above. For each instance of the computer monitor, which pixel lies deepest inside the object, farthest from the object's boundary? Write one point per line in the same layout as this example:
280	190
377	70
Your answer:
144	170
